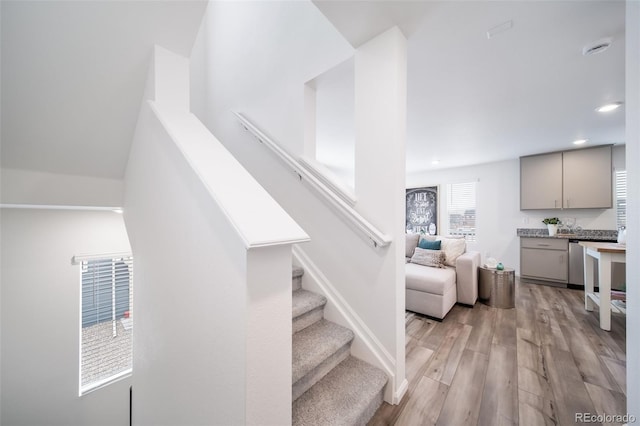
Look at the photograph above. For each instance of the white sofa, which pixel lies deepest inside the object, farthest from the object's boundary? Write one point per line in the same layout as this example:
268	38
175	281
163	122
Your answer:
433	291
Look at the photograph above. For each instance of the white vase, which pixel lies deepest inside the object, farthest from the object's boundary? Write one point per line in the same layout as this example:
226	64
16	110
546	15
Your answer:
553	229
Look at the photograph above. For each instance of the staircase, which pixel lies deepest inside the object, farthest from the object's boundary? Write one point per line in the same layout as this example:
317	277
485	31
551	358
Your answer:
330	387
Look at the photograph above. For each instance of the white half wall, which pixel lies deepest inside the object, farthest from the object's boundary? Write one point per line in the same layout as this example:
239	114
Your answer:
189	335
498	214
43	188
212	342
211	313
40	299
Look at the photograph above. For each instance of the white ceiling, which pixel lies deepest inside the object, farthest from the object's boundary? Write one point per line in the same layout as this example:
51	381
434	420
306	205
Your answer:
359	21
73	75
526	90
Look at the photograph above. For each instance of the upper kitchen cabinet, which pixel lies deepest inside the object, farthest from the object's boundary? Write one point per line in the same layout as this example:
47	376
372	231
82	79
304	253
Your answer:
587	178
541	181
577	179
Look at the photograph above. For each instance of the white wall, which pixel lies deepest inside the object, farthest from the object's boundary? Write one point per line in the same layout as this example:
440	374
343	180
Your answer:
633	203
335	121
0	214
258	57
381	130
41	317
33	187
255	66
498	213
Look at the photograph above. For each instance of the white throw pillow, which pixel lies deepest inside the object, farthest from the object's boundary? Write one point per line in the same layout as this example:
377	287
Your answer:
411	242
452	248
433	258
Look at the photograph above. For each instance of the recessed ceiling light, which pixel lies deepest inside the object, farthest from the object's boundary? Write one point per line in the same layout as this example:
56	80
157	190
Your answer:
435	162
580	141
609	107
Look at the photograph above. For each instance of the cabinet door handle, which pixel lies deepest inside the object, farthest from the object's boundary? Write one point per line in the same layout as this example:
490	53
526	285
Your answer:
567	203
543	245
555	204
561	259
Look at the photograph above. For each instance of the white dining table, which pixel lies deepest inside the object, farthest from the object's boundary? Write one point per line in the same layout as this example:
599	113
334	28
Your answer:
605	254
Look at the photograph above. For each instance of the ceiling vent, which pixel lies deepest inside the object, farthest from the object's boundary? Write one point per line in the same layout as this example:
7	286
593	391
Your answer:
596	46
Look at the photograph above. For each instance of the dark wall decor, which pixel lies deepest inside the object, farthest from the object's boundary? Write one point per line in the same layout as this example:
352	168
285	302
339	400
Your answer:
422	210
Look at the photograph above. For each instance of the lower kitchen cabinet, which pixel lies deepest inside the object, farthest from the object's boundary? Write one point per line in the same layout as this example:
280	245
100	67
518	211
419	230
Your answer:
544	259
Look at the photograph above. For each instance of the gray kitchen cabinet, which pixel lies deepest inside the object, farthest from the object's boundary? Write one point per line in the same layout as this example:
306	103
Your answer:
587	178
541	181
577	179
544	259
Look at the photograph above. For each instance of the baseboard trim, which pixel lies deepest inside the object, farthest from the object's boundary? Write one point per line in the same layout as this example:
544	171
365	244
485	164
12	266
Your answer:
581	287
526	280
399	394
376	352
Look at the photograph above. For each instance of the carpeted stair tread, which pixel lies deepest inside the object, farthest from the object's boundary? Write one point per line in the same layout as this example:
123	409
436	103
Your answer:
316	343
305	301
348	395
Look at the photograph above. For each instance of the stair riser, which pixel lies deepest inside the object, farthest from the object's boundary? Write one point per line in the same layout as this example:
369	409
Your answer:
371	409
297	283
312	377
307	319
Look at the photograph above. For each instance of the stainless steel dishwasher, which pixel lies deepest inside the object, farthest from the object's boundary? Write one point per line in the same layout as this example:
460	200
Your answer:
576	264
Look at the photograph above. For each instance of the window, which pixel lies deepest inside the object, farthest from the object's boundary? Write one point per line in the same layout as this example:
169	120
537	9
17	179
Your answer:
621	198
461	209
107	322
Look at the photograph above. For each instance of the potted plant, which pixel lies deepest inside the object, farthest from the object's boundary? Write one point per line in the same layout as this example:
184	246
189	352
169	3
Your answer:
552	225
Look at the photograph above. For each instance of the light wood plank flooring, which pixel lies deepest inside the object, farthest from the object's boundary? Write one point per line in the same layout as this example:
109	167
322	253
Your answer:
538	364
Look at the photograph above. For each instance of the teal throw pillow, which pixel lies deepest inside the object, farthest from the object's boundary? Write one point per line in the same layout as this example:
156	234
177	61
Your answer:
429	245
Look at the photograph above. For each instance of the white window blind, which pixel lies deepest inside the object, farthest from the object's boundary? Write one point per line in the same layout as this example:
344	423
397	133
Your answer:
107	320
621	198
461	209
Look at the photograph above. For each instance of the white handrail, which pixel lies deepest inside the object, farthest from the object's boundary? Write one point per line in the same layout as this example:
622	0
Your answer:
325	176
335	201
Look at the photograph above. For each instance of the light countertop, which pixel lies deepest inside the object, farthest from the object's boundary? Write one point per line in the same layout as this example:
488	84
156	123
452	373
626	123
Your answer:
605	247
585	234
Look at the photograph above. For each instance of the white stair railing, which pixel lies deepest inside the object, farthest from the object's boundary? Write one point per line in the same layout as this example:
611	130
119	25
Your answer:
338	200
